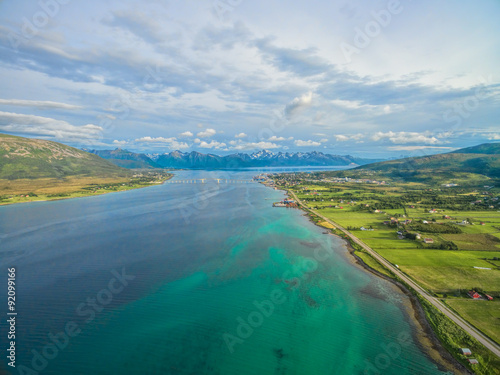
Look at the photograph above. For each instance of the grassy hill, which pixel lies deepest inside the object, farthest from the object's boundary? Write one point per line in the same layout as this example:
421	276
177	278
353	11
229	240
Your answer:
25	158
485	148
472	165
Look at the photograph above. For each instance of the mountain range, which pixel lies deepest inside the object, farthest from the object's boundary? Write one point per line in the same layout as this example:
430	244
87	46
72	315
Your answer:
197	160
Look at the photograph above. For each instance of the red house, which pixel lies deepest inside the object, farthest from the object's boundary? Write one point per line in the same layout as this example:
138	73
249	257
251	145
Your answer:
474	295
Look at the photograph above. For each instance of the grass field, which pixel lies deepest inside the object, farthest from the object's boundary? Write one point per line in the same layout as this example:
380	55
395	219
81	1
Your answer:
485	315
447	272
43	189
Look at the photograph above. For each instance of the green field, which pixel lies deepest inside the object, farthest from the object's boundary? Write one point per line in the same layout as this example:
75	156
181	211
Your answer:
484	315
446	266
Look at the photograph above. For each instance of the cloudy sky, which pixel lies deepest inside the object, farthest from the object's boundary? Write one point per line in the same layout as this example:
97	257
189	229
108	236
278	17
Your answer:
366	78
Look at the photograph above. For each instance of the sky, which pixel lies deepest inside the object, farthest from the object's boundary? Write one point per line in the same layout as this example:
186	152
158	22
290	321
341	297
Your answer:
365	78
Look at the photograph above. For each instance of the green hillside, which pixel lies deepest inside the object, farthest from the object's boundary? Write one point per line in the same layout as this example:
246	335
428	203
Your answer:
472	165
25	158
485	148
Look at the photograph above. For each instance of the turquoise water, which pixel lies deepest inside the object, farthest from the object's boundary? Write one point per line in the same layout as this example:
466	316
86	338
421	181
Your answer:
220	283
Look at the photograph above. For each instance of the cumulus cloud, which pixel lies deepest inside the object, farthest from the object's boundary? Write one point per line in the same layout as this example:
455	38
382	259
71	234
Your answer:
301	143
492	137
41	104
207	133
243	146
119	143
241	135
297	104
186	134
341	138
171	142
414	148
406	137
276	139
212	144
323	140
45	126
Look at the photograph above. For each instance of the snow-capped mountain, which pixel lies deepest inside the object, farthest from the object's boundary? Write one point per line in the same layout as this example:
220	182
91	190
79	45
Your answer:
197	160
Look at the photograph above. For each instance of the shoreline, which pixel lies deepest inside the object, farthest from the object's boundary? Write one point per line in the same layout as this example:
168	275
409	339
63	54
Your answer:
427	339
84	194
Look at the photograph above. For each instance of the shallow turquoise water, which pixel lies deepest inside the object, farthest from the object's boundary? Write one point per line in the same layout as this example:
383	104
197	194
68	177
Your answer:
222	284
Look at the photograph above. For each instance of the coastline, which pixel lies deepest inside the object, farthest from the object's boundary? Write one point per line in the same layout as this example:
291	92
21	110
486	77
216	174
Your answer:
422	331
84	194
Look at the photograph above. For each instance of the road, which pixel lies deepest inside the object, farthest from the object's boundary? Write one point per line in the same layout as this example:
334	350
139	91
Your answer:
478	335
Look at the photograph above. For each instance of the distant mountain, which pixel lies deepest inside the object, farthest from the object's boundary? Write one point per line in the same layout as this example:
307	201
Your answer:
35	158
482	160
263	158
126	159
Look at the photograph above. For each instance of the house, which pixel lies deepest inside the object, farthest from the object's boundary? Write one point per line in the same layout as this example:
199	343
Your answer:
425	222
447	217
490	298
418	236
433	211
465	351
482	223
474	295
377	211
473	361
428	240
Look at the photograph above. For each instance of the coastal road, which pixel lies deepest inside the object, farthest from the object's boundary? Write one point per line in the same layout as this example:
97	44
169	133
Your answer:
478	335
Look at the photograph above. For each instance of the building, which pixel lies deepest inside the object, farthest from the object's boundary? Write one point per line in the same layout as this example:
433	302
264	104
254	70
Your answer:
465	351
490	298
474	295
473	361
428	240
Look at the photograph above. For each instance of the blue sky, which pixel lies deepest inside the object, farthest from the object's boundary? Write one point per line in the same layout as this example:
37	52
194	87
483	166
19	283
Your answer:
367	78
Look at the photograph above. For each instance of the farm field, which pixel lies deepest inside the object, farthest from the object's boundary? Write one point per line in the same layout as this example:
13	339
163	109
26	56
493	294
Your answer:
485	315
461	229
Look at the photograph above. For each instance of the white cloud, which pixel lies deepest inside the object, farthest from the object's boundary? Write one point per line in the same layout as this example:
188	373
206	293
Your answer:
207	133
276	139
186	134
156	140
212	144
347	137
171	143
41	104
406	137
341	138
298	104
243	146
492	137
241	135
45	126
323	140
414	148
119	143
309	143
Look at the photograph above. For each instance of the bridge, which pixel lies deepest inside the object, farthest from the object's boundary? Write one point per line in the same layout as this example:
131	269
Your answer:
205	180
